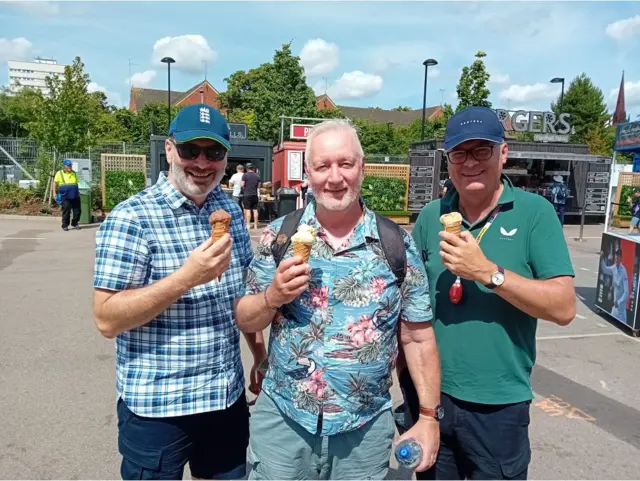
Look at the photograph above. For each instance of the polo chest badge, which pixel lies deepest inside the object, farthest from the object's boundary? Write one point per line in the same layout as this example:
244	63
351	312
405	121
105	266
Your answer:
282	239
507	233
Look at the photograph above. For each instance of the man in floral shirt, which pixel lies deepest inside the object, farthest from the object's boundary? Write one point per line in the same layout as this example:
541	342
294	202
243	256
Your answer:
325	411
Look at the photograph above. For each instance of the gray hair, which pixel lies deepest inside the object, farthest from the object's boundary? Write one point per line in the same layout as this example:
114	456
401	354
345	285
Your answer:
335	125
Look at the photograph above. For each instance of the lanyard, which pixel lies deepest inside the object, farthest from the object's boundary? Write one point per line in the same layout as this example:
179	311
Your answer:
485	228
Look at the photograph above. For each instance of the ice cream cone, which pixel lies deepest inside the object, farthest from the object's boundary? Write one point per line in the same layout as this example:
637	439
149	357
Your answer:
452	222
219	228
302	249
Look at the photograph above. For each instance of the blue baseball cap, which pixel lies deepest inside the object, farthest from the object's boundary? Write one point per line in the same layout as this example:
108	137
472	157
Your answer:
67	162
473	123
200	121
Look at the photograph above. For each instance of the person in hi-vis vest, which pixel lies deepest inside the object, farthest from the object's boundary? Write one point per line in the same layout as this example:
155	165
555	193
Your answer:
65	188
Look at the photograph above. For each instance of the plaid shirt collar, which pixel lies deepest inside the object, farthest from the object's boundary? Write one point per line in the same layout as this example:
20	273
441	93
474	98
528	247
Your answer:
176	199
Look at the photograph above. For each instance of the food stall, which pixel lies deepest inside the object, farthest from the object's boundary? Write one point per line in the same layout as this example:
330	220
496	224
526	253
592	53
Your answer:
619	268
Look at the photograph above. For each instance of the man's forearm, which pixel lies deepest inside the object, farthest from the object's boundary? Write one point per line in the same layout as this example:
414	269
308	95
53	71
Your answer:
255	340
133	308
421	356
549	299
253	314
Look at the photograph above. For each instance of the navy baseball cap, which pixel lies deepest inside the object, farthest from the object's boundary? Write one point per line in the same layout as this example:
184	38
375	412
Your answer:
200	121
473	123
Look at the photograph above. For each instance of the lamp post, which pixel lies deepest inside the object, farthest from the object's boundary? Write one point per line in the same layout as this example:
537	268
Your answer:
168	61
558	80
427	63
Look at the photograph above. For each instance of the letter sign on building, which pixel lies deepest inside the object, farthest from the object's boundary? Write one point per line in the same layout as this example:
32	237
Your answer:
299	131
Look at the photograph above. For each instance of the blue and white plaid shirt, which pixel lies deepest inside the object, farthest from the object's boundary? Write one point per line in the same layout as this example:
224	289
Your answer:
186	360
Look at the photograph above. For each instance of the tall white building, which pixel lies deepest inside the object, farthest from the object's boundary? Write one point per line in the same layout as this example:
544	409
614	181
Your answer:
32	74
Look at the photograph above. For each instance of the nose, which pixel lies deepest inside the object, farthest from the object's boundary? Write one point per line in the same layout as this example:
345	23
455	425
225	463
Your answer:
335	177
471	161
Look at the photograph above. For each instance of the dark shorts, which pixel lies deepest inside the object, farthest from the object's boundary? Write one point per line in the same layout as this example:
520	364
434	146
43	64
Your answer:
479	441
214	444
250	202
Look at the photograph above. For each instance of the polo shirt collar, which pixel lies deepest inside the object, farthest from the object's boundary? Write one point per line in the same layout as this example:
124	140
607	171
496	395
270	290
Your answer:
175	198
451	199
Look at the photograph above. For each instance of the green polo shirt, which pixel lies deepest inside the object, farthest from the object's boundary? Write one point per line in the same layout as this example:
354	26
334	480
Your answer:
487	346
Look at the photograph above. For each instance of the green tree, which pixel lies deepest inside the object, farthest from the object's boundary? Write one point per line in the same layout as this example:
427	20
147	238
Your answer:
271	90
141	121
64	119
401	108
585	102
472	88
17	110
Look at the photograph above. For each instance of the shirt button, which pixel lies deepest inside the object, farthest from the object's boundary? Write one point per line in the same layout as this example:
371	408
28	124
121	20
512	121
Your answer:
324	369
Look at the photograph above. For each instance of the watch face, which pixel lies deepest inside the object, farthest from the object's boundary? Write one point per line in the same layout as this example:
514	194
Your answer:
439	412
497	278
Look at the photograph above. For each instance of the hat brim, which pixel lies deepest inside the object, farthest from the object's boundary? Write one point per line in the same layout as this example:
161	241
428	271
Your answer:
458	139
188	135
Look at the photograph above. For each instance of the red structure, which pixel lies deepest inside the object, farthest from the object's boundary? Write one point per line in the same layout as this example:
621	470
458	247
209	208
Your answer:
288	165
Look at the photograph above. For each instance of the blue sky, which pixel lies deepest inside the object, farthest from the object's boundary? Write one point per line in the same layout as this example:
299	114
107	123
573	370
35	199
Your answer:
370	53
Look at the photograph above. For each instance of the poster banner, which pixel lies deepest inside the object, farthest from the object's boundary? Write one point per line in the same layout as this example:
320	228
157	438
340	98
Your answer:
627	137
617	285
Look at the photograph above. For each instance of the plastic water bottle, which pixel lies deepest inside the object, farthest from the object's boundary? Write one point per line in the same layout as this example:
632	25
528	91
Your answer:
409	454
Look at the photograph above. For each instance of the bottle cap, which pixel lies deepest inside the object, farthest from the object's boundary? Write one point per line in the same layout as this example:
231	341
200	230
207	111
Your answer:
404	452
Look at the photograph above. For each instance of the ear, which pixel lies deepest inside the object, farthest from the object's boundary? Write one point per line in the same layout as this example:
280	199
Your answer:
169	150
504	153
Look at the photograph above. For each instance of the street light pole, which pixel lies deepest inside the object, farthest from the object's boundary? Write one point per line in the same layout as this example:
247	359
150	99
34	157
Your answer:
426	63
168	61
559	80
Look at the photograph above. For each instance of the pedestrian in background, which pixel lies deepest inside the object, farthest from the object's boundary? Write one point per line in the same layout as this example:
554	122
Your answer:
236	182
67	194
166	292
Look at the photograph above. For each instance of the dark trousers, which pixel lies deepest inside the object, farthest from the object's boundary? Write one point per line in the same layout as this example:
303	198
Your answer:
560	212
477	441
69	205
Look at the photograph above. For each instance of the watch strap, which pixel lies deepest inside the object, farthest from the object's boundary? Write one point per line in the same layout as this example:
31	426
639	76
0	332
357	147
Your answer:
430	412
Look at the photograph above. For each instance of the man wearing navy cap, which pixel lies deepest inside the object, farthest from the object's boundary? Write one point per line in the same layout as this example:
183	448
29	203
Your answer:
166	292
509	267
67	194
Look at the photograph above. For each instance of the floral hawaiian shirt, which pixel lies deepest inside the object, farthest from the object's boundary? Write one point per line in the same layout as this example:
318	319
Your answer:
332	351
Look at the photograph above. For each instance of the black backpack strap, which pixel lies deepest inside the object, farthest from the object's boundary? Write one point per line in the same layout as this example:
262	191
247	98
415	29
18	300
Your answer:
392	243
283	239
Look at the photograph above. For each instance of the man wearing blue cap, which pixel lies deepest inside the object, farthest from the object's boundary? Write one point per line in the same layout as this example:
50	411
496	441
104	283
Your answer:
166	291
67	194
509	267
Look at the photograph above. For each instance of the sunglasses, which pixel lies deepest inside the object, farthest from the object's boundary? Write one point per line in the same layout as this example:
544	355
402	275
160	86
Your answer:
189	151
479	153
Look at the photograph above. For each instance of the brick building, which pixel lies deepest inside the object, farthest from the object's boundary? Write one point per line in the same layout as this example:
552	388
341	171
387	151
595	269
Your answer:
203	92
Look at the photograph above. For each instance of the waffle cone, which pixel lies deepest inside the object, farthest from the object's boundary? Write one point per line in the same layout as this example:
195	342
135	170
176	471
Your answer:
453	228
303	250
219	228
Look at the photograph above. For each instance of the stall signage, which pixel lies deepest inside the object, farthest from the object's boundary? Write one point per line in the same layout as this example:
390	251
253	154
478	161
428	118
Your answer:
238	131
299	131
535	122
628	136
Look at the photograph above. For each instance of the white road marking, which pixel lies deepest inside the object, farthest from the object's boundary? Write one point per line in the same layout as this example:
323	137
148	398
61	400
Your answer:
580	316
22	238
580	297
599	324
576	236
604	385
585	269
578	336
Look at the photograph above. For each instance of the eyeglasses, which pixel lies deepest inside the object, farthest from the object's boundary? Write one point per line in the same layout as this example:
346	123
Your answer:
481	153
190	151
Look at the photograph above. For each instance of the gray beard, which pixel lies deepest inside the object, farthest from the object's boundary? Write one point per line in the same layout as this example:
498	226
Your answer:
189	189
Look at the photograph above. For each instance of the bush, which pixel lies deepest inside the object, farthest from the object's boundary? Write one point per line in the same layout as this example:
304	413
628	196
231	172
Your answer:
624	209
12	196
120	185
383	194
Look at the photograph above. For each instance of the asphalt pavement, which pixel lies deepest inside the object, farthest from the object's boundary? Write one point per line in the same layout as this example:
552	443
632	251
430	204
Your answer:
57	391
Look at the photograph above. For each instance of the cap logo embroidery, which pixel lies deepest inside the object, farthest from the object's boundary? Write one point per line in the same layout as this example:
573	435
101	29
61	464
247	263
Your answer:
471	122
205	117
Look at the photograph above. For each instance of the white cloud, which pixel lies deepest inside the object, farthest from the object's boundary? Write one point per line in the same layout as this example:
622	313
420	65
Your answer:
499	78
189	51
16	49
94	87
112	97
355	85
433	72
319	57
529	93
624	29
142	79
631	95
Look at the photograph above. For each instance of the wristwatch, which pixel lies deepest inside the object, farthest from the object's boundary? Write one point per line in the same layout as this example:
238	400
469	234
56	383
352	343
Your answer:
497	279
437	413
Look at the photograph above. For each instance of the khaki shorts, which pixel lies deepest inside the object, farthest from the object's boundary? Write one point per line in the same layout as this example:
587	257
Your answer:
279	448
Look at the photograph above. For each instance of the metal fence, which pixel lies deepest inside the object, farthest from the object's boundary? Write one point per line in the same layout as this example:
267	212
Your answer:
26	153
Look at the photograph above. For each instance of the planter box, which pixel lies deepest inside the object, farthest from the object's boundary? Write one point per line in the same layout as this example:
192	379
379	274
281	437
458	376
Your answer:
621	221
400	219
